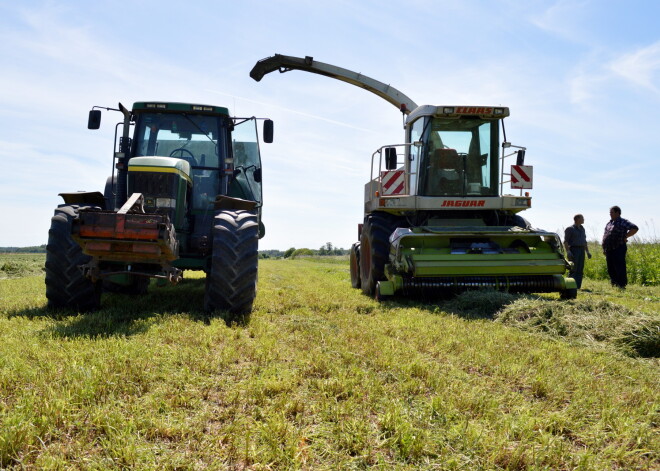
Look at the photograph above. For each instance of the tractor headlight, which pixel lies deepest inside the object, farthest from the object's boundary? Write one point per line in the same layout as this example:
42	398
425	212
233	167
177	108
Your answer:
165	202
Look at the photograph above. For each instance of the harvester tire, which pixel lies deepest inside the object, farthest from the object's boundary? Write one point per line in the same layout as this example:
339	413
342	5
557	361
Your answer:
66	287
374	250
568	294
355	265
231	281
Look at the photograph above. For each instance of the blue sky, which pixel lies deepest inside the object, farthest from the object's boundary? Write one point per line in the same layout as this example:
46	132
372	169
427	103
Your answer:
582	80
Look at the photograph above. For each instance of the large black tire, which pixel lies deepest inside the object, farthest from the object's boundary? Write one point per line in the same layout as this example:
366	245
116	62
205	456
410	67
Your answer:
568	294
108	193
375	249
231	282
355	265
518	220
66	287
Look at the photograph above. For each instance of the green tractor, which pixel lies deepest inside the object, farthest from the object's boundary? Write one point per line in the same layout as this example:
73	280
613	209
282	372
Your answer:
436	218
185	193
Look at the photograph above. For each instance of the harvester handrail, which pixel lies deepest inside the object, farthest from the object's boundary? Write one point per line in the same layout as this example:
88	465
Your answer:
506	145
379	151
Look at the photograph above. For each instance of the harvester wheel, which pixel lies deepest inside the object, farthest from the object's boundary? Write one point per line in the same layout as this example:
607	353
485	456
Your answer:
231	282
568	293
66	287
374	250
355	265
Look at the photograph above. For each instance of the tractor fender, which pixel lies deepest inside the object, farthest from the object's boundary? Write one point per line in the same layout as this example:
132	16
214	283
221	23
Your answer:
93	198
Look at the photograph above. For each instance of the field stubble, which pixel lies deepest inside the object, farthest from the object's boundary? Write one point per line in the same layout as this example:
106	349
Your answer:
325	378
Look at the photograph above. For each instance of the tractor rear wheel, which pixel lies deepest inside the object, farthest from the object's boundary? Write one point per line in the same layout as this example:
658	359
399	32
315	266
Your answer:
66	287
231	282
355	265
375	249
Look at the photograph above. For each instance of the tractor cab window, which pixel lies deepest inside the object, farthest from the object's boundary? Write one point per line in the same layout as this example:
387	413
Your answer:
191	137
246	183
460	158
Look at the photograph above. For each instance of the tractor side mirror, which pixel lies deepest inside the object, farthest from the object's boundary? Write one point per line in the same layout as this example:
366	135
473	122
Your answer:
390	158
94	121
268	131
520	158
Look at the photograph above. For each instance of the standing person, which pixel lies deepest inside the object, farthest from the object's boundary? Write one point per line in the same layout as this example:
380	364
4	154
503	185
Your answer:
617	233
575	241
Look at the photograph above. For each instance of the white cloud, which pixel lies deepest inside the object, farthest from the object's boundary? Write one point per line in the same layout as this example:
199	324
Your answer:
641	67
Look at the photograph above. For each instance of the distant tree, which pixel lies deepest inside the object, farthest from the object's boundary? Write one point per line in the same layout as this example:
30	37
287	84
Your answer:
289	252
302	253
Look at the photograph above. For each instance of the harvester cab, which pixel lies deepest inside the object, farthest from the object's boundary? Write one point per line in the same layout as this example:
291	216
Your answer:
185	193
436	217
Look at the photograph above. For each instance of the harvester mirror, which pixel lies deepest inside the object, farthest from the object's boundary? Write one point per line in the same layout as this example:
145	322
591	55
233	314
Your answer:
520	159
390	158
257	175
268	131
94	121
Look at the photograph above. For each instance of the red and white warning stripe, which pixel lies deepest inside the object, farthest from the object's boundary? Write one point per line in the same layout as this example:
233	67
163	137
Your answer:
521	176
393	182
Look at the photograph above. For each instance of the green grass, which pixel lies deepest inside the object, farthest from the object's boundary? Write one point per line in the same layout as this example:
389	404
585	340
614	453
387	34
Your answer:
325	378
16	265
643	263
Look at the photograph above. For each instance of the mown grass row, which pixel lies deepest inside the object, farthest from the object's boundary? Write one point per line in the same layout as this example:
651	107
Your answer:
321	378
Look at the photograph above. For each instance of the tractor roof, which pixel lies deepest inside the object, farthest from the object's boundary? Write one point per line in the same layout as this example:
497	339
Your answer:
164	106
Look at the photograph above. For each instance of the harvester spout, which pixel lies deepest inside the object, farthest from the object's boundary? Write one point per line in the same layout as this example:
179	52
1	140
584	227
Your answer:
287	63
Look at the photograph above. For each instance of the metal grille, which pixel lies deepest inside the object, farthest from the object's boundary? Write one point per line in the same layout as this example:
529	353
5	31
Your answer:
153	184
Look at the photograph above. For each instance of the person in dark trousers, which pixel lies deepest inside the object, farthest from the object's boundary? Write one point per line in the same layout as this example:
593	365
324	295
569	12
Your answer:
617	233
575	241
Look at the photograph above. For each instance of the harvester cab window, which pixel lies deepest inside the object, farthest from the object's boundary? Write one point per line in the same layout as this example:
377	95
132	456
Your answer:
459	158
415	152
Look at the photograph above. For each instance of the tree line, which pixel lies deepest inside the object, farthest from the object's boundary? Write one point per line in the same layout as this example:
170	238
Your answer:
325	250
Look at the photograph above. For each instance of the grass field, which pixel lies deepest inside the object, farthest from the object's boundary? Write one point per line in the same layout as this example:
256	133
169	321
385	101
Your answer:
323	377
643	263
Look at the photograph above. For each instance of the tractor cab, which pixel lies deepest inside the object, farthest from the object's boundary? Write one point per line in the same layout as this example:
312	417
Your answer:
184	194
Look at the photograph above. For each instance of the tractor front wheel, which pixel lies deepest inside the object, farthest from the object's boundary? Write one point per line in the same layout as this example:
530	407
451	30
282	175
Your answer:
231	281
66	287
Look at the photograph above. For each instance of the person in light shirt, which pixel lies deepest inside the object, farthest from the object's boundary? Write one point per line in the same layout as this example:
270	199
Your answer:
575	241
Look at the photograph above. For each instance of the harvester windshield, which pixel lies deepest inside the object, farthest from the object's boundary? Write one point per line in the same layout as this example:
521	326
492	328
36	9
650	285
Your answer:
458	158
